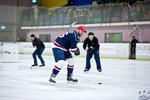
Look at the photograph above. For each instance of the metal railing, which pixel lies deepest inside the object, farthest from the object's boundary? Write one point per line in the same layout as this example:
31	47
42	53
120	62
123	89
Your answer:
85	14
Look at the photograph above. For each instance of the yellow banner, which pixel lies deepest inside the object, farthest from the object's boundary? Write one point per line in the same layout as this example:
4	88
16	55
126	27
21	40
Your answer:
53	3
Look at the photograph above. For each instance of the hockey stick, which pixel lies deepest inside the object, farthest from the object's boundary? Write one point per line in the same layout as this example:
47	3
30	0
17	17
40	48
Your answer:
70	27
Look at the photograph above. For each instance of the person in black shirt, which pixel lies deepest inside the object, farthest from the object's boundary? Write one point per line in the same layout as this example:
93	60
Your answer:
133	48
91	46
40	48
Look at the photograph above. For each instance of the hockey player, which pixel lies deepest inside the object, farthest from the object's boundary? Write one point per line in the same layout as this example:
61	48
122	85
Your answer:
40	48
63	46
91	46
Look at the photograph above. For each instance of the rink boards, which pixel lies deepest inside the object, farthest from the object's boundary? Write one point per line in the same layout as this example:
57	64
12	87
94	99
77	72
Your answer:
114	50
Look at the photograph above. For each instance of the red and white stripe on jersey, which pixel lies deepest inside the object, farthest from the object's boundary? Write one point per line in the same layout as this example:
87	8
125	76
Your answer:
56	68
73	50
71	67
58	46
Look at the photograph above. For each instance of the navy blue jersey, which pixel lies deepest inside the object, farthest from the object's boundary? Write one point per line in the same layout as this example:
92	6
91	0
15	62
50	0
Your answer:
68	41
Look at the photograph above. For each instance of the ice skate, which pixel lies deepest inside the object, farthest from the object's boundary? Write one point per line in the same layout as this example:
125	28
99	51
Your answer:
70	79
52	79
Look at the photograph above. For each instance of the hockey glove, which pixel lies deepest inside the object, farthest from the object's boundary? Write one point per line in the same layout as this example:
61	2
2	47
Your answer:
77	52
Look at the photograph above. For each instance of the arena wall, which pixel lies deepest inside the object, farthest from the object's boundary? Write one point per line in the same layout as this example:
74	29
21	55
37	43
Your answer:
99	32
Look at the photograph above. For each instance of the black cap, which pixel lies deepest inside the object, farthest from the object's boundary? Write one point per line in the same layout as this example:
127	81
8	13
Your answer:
32	35
90	33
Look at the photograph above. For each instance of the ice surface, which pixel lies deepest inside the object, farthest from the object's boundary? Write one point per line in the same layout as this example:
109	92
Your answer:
121	80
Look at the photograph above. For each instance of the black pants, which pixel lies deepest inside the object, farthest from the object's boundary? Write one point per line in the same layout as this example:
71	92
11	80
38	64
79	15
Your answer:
39	55
96	57
132	52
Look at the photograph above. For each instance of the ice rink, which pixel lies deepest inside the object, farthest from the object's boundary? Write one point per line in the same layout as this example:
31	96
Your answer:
121	80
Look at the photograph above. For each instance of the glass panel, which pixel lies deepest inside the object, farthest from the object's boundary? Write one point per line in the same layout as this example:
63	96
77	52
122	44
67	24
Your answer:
45	37
113	37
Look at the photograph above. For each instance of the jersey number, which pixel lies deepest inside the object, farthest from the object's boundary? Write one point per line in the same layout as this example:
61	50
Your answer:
61	36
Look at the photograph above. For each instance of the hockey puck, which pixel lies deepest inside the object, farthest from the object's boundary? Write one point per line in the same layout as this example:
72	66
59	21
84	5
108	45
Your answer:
99	83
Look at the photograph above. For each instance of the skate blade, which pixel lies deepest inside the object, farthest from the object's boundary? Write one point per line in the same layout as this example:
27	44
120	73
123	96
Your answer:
52	83
71	82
